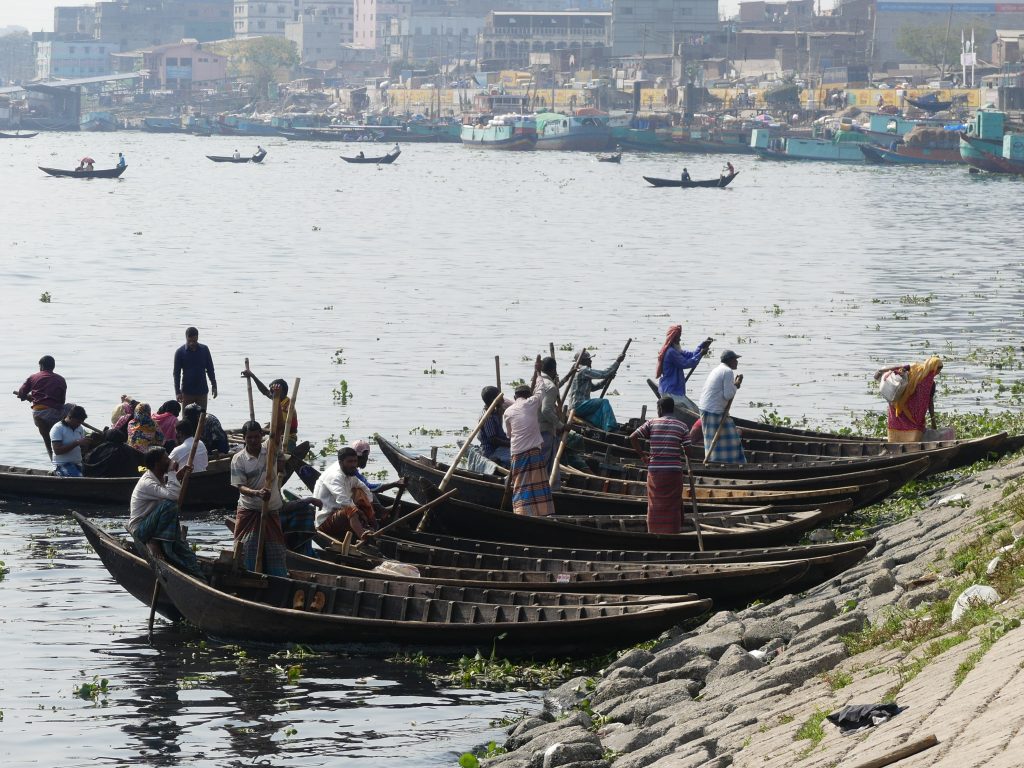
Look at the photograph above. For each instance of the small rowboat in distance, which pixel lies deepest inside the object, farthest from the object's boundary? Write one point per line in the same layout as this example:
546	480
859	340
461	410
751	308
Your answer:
18	135
387	159
720	183
257	158
610	158
105	173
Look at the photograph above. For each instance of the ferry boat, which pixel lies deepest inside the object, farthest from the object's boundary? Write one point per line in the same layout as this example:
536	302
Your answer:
844	147
922	146
510	132
587	133
984	136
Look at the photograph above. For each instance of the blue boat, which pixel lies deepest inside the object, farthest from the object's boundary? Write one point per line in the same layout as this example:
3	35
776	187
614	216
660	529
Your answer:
843	148
984	136
880	156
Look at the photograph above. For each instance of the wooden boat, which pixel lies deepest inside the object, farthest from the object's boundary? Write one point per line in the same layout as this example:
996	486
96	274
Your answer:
990	161
103	173
259	609
616	158
18	135
136	576
387	159
720	183
257	158
911	156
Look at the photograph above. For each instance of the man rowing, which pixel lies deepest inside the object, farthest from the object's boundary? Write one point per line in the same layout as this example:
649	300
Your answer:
594	410
719	390
278	385
667	436
549	418
46	391
494	443
673	362
531	493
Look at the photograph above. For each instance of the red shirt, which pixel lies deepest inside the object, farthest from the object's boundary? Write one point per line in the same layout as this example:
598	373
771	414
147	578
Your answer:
45	389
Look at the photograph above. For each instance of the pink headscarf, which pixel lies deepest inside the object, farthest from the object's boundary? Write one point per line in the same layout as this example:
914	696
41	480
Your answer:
673	335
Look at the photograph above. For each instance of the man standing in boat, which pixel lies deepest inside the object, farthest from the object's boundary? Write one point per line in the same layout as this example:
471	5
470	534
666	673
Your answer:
595	410
531	493
46	391
719	390
667	436
673	362
685	175
549	419
192	365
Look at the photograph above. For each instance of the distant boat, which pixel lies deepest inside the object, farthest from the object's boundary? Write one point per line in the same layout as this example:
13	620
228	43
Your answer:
929	103
163	125
508	132
908	156
721	182
610	158
989	161
569	132
97	122
257	158
387	159
105	173
18	135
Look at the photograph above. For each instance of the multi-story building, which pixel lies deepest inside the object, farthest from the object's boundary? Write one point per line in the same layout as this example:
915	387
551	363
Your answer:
256	18
87	57
659	26
180	67
322	30
432	31
511	36
17	57
143	23
74	21
372	21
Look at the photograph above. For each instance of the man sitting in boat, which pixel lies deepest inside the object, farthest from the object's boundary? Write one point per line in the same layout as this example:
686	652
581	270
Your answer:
494	443
67	438
153	521
597	411
179	456
214	437
237	155
361	155
121	162
685	176
347	503
382	513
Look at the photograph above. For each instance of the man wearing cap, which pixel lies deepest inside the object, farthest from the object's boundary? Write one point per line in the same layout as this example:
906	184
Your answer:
362	449
531	494
719	390
595	410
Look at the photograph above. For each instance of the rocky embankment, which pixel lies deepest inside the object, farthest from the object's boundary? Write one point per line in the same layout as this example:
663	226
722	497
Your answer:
754	687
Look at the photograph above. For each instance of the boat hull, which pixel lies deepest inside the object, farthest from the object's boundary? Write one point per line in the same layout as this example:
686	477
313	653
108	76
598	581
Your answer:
907	155
105	173
720	183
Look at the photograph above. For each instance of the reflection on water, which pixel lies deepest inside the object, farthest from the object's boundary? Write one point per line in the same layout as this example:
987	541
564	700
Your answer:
398	286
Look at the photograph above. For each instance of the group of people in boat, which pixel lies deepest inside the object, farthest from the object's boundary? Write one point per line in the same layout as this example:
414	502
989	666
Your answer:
727	170
88	164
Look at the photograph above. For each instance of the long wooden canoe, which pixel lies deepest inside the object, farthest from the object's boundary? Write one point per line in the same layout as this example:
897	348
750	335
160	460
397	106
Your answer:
103	173
261	611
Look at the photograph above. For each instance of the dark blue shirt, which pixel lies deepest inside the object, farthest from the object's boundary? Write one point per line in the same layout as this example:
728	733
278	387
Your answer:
367	483
673	369
491	429
191	369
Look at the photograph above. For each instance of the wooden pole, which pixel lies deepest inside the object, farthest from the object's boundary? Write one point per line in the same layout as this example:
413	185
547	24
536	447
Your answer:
248	386
271	478
497	371
900	753
422	509
469	441
551	349
718	432
561	448
506	495
291	415
693	502
608	381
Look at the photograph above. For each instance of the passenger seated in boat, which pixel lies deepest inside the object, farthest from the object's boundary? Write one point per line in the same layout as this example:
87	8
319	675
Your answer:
112	457
121	162
154	520
67	439
179	456
237	155
382	513
214	437
260	152
125	408
361	156
347	504
166	419
494	443
685	175
268	391
143	432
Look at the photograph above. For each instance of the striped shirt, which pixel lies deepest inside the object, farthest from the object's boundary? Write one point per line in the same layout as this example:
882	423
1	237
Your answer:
667	436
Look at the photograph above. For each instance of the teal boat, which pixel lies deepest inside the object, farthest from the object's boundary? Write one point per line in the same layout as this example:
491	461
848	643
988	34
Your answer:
844	147
588	133
984	136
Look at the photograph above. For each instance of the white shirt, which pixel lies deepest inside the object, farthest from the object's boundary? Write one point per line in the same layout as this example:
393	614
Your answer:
719	388
180	455
148	494
334	488
62	433
251	471
522	424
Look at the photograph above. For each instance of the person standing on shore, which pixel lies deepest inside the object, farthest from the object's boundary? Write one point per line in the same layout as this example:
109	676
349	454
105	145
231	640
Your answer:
192	365
719	390
46	391
531	493
907	412
673	362
667	436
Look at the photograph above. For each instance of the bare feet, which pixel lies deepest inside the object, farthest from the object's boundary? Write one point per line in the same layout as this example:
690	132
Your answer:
299	601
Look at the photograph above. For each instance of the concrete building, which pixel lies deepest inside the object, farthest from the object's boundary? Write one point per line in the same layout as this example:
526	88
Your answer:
788	14
659	26
180	67
372	22
1007	47
322	30
511	36
74	21
432	31
74	58
17	58
142	23
256	18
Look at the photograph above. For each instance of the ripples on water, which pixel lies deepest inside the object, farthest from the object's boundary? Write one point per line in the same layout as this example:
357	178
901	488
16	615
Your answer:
437	263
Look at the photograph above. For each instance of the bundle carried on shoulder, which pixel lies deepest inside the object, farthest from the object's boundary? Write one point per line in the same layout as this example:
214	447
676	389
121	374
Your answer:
892	385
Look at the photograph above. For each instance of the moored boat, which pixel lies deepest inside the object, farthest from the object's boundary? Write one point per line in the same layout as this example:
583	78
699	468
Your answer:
841	148
508	132
18	135
586	133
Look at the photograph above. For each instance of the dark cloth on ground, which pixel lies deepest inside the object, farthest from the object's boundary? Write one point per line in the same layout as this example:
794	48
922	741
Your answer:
112	460
856	717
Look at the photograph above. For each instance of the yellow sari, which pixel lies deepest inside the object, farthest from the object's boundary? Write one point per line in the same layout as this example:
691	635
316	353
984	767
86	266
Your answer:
918	373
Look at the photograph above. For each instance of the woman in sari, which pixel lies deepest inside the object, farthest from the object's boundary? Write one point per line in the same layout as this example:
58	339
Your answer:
907	412
142	430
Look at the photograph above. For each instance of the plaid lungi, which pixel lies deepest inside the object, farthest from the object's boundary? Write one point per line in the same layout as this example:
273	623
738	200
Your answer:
729	448
162	526
298	522
531	494
247	526
664	501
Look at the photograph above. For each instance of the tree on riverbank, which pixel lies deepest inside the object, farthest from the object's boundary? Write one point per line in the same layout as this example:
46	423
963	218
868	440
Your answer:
265	60
936	45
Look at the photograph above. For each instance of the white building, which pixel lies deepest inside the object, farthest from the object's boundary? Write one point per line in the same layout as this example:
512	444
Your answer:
321	31
78	58
655	26
256	18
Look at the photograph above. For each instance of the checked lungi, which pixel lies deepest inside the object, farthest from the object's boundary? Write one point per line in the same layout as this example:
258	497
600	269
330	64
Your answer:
247	526
531	494
664	501
162	526
298	523
357	519
729	448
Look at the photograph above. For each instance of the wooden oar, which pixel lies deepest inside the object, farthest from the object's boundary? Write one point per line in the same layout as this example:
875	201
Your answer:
718	432
469	441
564	394
561	447
422	509
271	478
693	502
181	500
686	378
497	371
608	381
248	386
506	494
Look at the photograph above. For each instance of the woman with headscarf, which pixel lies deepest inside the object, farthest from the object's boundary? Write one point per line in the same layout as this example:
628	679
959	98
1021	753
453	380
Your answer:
907	412
127	413
673	362
142	430
167	420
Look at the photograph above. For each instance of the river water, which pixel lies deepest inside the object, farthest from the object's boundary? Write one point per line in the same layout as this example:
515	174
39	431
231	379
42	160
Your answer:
389	291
